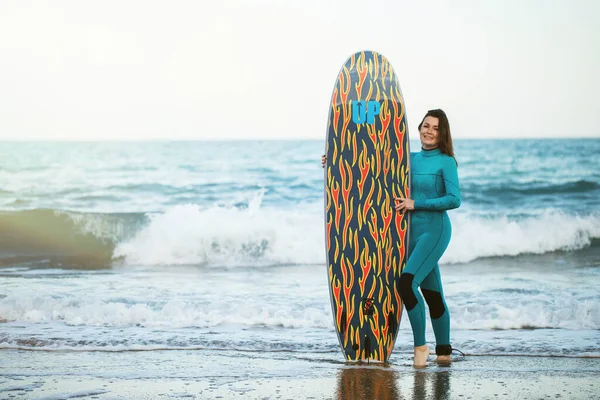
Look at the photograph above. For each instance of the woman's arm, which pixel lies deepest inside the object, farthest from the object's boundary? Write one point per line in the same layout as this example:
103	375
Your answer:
451	199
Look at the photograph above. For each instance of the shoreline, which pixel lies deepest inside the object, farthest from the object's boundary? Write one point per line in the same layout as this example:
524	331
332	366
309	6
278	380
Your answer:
209	374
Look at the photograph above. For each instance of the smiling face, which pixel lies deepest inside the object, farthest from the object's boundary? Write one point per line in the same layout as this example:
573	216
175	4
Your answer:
430	137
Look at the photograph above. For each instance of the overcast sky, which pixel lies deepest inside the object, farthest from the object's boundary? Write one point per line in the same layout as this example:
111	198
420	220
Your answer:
139	69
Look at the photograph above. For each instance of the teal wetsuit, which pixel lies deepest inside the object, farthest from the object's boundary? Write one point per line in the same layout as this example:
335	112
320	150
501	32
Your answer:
435	189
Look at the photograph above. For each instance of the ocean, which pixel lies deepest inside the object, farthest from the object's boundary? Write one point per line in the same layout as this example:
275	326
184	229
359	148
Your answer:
219	245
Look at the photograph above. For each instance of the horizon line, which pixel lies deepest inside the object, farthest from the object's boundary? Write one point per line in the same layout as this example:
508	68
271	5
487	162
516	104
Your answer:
280	139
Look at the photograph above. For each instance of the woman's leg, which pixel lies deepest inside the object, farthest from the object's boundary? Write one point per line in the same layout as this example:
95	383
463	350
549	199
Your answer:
422	261
425	253
432	290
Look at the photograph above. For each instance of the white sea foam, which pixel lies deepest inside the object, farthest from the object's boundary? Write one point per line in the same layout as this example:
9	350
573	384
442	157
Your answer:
189	234
476	237
565	312
171	314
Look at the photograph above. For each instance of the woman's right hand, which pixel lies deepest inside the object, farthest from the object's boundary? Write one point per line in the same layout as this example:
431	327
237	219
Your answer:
323	160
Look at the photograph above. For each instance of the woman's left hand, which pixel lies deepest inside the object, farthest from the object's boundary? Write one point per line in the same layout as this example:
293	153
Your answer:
403	204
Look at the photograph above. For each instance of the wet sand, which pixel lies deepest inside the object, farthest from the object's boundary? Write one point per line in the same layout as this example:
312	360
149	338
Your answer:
209	374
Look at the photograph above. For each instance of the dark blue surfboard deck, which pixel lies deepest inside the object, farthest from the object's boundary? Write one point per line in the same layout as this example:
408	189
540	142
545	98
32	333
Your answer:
367	166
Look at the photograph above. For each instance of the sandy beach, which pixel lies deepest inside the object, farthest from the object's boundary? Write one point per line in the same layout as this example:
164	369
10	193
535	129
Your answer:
207	374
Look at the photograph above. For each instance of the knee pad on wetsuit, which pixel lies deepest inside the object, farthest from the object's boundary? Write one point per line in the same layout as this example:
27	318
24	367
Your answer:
406	291
434	301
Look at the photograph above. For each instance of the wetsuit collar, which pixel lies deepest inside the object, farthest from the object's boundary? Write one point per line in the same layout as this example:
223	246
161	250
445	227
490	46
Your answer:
432	152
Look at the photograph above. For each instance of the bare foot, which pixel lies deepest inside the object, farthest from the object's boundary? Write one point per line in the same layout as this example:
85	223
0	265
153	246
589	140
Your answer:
421	354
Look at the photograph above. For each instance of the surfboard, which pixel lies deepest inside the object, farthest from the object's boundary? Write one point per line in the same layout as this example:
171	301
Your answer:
368	156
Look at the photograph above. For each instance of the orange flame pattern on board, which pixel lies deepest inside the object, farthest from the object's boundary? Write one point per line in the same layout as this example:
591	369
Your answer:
366	238
344	80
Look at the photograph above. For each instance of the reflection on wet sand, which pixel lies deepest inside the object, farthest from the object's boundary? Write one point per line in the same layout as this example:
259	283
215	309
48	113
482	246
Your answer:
438	388
367	383
382	383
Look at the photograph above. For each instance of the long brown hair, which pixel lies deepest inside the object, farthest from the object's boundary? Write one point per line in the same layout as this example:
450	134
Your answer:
444	136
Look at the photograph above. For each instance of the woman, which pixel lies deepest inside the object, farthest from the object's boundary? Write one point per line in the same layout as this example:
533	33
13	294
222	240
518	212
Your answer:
435	190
